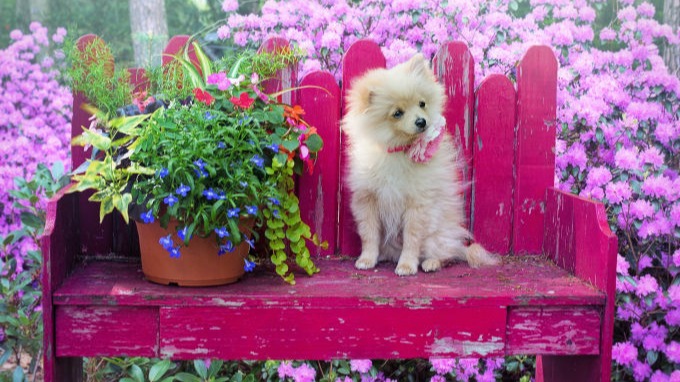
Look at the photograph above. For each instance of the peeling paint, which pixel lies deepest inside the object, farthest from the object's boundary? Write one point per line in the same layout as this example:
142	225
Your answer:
223	302
449	346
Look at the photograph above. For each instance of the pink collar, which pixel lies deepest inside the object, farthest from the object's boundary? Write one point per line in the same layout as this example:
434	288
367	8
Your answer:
425	146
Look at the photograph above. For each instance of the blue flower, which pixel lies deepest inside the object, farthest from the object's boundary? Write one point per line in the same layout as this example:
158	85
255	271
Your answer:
199	163
251	210
276	214
249	266
228	247
222	232
233	213
147	217
170	200
273	147
221	145
200	172
257	160
166	242
251	242
163	172
182	190
174	253
221	196
182	233
210	194
208	116
243	184
275	201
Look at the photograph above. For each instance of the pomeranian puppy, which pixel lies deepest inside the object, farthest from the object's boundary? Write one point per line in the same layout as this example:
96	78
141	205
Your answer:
404	172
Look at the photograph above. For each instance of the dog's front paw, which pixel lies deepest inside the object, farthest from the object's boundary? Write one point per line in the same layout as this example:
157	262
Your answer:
431	265
365	262
406	269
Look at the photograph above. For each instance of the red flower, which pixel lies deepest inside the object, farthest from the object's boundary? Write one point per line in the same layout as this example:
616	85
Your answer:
203	96
244	101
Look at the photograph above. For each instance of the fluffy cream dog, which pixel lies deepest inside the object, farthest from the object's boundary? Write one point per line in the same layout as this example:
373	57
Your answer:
403	172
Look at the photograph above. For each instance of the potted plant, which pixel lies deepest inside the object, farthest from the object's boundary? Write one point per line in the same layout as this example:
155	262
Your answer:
202	154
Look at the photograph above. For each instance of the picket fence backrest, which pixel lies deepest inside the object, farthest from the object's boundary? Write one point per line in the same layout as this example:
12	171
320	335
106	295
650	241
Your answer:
506	131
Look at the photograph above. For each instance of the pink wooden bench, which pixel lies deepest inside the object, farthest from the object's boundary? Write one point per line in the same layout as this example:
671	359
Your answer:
552	296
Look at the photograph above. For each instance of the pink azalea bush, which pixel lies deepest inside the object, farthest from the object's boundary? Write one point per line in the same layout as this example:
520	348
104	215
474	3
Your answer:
617	118
35	113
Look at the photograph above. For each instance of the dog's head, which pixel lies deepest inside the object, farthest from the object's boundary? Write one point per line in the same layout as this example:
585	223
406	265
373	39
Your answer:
401	102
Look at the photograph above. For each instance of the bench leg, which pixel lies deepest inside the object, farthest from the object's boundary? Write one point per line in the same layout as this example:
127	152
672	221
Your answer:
586	368
64	369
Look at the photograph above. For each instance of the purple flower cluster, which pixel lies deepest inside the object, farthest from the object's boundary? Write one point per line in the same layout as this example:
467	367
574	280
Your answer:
35	113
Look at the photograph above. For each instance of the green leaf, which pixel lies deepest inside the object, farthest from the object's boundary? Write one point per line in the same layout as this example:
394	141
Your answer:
314	143
94	139
136	373
201	369
186	377
203	61
291	145
158	370
57	169
18	375
31	220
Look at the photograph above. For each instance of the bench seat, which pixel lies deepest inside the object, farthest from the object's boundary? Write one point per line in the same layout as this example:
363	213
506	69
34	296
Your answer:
527	305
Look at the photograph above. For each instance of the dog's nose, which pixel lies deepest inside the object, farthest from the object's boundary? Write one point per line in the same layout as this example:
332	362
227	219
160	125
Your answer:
421	123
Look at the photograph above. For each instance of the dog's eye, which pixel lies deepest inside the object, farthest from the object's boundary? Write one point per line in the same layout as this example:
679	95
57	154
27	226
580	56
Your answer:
422	104
398	113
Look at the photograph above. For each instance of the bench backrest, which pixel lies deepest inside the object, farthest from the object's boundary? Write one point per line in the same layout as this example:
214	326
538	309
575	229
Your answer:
506	131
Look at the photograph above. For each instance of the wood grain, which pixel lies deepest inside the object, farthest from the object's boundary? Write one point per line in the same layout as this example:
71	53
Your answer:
319	95
535	149
493	162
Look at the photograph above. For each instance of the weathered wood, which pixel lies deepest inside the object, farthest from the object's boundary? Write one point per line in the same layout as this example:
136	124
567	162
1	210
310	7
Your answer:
319	96
493	164
454	66
361	57
59	244
518	281
554	330
535	146
106	331
321	333
578	238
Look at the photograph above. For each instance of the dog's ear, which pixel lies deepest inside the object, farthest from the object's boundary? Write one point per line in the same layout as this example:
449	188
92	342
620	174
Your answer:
417	65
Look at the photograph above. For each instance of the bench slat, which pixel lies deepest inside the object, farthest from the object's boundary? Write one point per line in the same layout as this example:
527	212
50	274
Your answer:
519	281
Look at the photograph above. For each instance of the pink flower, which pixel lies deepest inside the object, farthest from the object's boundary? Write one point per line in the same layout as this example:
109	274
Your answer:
624	353
627	159
229	5
673	351
607	34
641	371
657	186
285	369
674	295
673	317
223	32
618	192
443	365
646	286
361	365
641	209
220	79
598	176
304	373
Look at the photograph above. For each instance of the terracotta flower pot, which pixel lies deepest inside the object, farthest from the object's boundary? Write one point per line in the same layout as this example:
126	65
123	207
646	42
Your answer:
198	264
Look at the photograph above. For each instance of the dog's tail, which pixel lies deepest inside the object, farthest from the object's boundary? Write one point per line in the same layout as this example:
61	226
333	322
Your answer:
476	256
